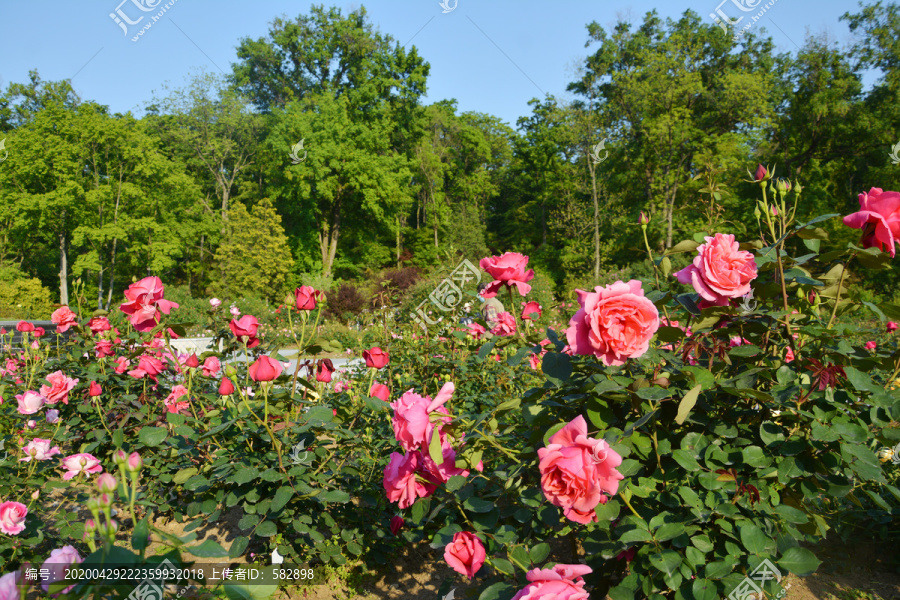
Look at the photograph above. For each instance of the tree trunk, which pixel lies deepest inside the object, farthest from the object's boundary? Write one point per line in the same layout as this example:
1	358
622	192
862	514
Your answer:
593	168
328	239
63	270
398	242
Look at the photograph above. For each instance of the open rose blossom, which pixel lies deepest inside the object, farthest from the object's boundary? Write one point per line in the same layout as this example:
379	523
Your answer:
562	582
211	366
412	416
80	463
173	403
59	388
24	327
99	325
39	449
145	301
531	311
380	391
148	366
614	323
476	331
507	269
12	517
577	471
506	324
376	358
58	564
10	586
246	326
30	402
265	369
879	218
306	296
720	270
465	554
64	318
401	482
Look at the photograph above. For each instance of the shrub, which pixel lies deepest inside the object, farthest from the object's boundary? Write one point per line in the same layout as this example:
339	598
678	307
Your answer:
345	301
23	297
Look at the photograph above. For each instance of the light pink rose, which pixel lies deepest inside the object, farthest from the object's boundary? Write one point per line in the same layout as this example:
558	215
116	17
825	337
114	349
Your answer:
507	269
400	481
720	270
145	301
562	582
211	366
58	564
59	388
879	218
39	449
64	318
30	402
465	554
215	302
80	463
614	323
412	423
171	401
12	517
505	324
577	471
9	586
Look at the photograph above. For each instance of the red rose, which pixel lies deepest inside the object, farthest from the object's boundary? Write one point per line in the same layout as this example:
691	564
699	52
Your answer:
226	388
246	326
306	296
324	369
265	369
24	327
379	390
397	523
94	389
376	358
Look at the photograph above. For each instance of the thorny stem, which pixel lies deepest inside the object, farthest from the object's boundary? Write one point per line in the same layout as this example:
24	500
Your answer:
837	295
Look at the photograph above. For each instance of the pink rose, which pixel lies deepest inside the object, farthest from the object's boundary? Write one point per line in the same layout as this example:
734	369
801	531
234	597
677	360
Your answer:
215	303
12	517
447	469
145	297
80	463
39	449
879	218
324	369
99	325
534	361
476	331
103	349
246	327
341	386
10	586
226	388
562	582
211	366
891	326
531	311
172	400
30	402
577	471
720	270
64	318
789	355
94	389
59	388
265	369
412	416
507	269
148	366
379	390
305	297
376	358
614	323
505	324
24	327
465	554
400	481
58	564
870	345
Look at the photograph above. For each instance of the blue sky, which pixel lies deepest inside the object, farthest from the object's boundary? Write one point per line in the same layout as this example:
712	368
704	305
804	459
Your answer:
491	55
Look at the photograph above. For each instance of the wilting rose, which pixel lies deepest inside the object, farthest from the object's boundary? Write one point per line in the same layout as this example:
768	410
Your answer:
265	369
80	463
58	565
400	481
246	326
226	388
879	218
39	449
64	318
99	325
145	301
530	310
614	323
577	471
465	553
507	269
397	523
376	358
30	402
306	296
59	388
505	324
324	369
12	517
412	416
172	403
720	270
211	366
379	390
562	582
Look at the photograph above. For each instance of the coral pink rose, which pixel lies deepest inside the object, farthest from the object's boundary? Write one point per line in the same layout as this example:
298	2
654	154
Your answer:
64	318
412	416
172	400
577	471
447	469
531	311
58	565
871	345
376	358
148	366
30	402
265	369
246	327
465	554
122	364
12	517
562	582
507	269
103	349
211	366
24	327
476	331
400	481
80	463
99	325
94	389
720	270
39	449
226	388
324	369
879	218
505	324
614	323
59	388
145	301
379	390
305	297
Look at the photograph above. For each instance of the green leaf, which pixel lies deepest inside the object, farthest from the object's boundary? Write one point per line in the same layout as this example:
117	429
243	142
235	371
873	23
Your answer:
140	535
686	460
754	539
745	350
336	495
152	436
455	482
252	590
183	475
539	553
486	349
504	566
791	514
557	367
683	246
687	403
282	497
434	449
208	549
266	529
118	438
799	561
498	591
245	475
666	561
478	505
